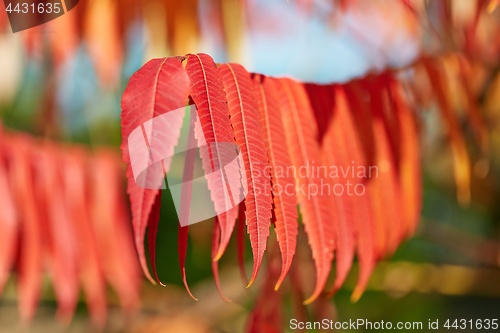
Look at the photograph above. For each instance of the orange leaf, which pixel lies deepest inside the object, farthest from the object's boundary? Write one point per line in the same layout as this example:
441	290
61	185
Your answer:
336	157
244	112
301	133
363	218
461	161
285	204
410	174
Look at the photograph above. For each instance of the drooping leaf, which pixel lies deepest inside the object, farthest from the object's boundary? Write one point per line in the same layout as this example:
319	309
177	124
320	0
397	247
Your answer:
210	99
215	263
72	224
461	163
359	99
385	196
74	194
162	85
285	211
60	236
154	219
380	105
321	99
410	171
182	243
244	112
227	221
108	218
9	225
387	141
362	217
336	156
185	203
240	242
267	315
30	261
301	133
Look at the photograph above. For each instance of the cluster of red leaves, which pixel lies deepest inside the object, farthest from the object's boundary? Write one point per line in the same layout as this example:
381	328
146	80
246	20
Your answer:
278	124
59	207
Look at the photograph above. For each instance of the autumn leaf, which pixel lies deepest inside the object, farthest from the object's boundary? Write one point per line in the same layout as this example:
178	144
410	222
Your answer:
77	202
162	85
8	221
30	261
301	133
244	112
335	155
284	202
210	99
362	217
461	163
59	234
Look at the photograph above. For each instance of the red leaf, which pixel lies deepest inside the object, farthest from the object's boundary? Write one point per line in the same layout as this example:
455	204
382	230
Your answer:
215	263
321	99
208	94
185	203
240	242
336	156
245	116
365	132
162	85
182	243
109	224
9	225
361	212
358	100
301	133
267	314
410	174
227	221
154	218
386	198
30	260
285	204
60	235
387	141
380	106
92	279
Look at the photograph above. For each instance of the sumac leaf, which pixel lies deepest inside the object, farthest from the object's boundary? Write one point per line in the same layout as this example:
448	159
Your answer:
160	86
285	203
244	112
301	133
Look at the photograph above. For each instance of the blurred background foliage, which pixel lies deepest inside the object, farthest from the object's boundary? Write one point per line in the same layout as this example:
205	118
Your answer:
64	81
